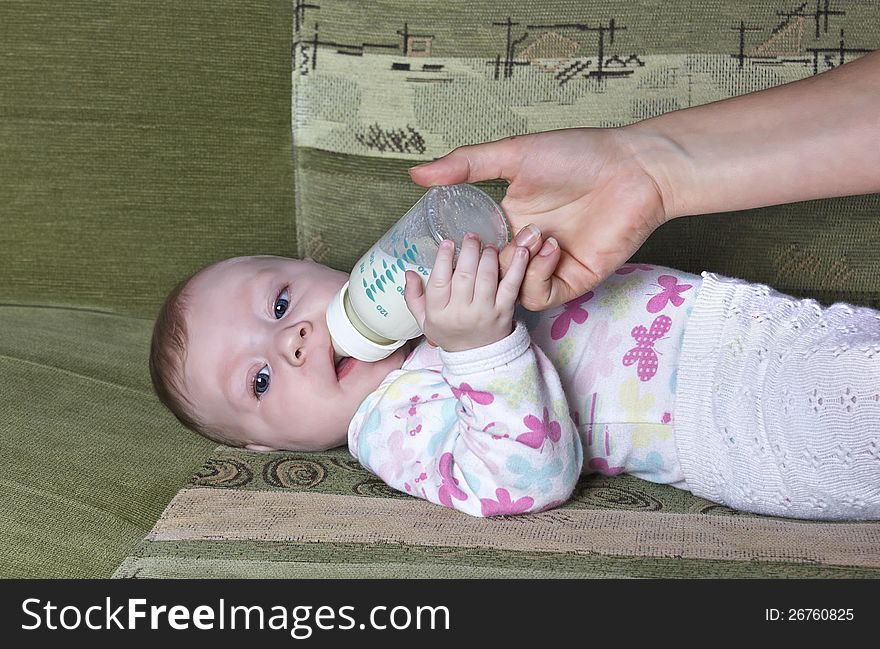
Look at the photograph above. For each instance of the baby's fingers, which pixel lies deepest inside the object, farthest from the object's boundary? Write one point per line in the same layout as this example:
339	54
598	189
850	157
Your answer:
486	283
440	281
508	287
466	270
414	296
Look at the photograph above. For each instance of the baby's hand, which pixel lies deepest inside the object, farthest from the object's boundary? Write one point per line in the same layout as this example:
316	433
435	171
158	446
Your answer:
467	307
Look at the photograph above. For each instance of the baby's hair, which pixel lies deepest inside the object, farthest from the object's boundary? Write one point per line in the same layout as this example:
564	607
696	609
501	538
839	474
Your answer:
167	355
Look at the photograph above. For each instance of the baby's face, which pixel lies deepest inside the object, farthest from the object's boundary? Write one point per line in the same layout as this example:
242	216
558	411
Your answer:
259	359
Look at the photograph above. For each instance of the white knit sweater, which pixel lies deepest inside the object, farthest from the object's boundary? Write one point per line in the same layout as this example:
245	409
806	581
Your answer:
778	405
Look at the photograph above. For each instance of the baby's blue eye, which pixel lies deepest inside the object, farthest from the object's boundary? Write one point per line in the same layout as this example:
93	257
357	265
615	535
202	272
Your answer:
281	304
261	381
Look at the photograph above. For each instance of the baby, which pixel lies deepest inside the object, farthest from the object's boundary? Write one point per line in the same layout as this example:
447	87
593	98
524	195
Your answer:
737	393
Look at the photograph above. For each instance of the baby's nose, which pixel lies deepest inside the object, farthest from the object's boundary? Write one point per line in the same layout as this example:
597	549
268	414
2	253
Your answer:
296	342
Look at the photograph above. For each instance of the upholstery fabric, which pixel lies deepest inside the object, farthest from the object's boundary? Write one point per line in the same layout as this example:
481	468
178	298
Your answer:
138	143
142	141
380	86
295	515
88	456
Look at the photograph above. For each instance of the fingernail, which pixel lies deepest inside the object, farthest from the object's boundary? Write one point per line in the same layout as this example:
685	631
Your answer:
425	164
549	246
527	236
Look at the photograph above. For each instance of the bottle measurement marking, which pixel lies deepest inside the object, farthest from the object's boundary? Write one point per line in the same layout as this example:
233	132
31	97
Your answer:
390	273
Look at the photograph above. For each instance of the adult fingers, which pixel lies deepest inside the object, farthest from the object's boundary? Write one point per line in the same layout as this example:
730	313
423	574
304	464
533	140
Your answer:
551	279
569	280
538	288
528	237
470	164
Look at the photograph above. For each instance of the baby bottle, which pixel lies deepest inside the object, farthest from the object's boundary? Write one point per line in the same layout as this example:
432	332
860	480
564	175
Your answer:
368	318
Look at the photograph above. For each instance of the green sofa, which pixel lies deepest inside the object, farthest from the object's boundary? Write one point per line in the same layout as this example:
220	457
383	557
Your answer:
142	141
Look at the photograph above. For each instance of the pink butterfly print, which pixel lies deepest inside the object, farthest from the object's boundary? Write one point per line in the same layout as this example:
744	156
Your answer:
419	478
602	363
399	456
477	396
414	400
504	505
671	293
572	312
643	352
631	268
449	487
600	465
500	430
411	414
540	430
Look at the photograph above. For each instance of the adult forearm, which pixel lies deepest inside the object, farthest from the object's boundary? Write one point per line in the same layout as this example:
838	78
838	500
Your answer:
813	138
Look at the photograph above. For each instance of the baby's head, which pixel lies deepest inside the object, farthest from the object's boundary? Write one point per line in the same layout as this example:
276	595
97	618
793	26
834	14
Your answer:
241	354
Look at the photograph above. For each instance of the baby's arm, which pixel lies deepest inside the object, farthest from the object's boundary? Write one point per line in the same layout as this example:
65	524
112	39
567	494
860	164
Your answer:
488	435
491	433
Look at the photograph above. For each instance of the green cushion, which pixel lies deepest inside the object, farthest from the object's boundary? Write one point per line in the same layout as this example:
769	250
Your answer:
368	104
139	141
88	456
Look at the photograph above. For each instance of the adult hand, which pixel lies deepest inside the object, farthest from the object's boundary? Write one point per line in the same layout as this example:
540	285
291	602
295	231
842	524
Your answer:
583	188
601	192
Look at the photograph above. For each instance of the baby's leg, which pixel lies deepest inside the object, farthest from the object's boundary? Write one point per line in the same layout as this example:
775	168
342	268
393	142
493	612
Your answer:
779	403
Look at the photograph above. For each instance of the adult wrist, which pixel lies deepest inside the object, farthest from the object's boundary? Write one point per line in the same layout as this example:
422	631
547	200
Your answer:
664	160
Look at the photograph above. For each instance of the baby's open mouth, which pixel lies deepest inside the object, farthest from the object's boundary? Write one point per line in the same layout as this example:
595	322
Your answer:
342	365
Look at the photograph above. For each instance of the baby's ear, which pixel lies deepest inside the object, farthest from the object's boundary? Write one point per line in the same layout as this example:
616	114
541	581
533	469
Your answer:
259	448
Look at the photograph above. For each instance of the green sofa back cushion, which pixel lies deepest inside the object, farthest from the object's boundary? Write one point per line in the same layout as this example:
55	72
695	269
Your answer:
380	86
139	141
